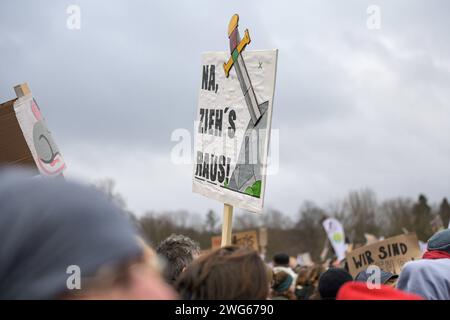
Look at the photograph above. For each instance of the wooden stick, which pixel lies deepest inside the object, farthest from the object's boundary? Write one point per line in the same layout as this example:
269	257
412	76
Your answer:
227	224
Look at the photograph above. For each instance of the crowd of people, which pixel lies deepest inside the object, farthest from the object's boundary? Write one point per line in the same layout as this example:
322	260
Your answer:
63	240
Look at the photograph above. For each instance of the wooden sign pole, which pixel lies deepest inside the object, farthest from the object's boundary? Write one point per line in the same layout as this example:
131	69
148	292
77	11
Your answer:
227	224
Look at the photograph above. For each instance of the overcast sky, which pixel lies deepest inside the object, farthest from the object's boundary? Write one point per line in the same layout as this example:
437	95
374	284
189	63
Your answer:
355	107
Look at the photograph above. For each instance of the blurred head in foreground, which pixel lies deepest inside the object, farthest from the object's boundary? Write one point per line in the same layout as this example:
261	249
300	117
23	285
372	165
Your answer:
178	251
282	287
304	286
281	260
225	274
281	263
63	240
331	281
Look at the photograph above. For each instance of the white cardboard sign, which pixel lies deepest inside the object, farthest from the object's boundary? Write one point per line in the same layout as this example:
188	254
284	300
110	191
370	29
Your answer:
232	128
45	152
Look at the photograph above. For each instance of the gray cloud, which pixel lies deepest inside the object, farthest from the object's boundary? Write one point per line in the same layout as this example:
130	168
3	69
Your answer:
355	107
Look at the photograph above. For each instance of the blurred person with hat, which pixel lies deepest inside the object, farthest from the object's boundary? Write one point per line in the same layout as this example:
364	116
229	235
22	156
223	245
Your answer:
429	277
53	231
304	287
386	278
331	281
178	252
281	262
228	273
282	287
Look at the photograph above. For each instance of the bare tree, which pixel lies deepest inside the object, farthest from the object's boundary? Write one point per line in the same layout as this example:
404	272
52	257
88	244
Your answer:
211	221
359	212
360	207
444	212
396	217
276	219
422	216
246	221
310	233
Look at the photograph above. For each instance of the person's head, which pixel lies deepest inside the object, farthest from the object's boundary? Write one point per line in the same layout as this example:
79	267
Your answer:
64	240
331	281
386	278
304	287
282	285
227	273
293	262
178	251
269	273
440	242
302	276
281	260
314	274
137	279
427	277
281	282
307	283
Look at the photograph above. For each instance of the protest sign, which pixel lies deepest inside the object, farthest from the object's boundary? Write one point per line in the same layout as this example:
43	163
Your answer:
14	150
247	239
25	138
335	233
304	259
390	254
233	123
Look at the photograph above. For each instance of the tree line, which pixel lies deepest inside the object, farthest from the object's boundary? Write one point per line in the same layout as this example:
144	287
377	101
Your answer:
360	213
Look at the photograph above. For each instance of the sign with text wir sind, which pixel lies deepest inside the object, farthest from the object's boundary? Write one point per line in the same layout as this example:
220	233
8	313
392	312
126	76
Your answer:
389	255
